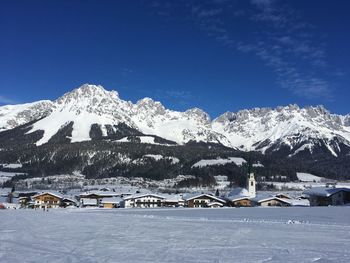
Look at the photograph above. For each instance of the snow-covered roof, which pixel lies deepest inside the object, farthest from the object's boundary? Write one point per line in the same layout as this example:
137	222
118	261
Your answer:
143	195
324	191
298	202
285	196
111	200
238	198
88	201
49	193
69	198
215	203
194	196
100	193
173	197
267	197
238	192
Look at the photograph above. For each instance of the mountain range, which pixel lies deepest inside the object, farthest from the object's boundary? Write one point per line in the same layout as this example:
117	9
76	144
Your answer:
90	114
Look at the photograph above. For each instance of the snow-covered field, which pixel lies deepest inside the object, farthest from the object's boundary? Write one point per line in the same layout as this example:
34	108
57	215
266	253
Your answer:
319	234
306	177
237	160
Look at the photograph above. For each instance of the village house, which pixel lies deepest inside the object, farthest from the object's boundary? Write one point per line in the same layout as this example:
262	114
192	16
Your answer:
239	197
283	196
143	201
88	202
173	200
266	201
68	202
96	197
47	200
112	202
204	200
325	196
241	202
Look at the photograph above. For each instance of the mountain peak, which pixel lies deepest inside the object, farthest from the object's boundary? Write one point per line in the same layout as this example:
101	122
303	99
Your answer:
199	113
89	92
150	104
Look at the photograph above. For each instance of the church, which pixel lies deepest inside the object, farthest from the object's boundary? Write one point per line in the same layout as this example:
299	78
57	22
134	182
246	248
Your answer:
242	197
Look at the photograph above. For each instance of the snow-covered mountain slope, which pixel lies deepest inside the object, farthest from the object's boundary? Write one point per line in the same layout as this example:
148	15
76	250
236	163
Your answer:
91	112
12	116
84	106
297	128
91	109
194	124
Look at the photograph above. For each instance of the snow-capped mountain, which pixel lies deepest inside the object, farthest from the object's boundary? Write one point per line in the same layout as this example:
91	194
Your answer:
12	116
90	111
296	128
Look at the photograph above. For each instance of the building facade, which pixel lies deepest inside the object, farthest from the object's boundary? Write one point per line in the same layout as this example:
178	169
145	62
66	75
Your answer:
204	200
143	201
47	200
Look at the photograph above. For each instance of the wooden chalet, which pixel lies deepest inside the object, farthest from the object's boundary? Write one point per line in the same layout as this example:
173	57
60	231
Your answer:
204	200
242	201
270	201
47	200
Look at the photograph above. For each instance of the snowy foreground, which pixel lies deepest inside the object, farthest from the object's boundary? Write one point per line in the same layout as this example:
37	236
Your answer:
317	234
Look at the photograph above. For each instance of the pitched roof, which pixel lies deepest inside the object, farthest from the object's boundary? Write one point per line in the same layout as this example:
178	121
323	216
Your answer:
264	198
143	195
99	193
49	193
88	201
324	191
207	195
238	198
111	200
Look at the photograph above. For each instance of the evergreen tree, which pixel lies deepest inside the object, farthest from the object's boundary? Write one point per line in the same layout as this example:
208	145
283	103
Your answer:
217	194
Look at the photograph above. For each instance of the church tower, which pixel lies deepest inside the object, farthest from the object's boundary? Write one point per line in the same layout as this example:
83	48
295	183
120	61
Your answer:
251	185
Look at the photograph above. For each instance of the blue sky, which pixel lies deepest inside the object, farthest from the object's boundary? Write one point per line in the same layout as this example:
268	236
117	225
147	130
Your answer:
218	55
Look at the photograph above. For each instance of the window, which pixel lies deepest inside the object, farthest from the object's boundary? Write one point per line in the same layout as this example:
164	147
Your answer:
251	183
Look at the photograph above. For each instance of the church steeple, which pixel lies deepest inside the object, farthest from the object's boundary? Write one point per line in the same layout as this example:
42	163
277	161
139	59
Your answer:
251	183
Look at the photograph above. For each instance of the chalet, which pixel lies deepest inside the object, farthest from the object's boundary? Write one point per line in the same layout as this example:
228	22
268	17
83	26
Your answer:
265	201
325	196
96	197
239	197
88	202
283	196
98	194
47	200
112	202
173	200
68	202
204	200
143	200
242	201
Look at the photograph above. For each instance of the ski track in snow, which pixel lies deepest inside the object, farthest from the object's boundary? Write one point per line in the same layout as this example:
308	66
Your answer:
176	235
